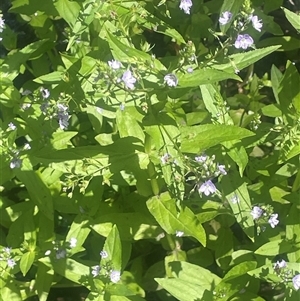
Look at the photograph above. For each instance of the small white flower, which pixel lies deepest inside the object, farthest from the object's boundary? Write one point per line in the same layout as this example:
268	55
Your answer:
179	233
171	80
96	270
104	254
128	79
165	158
122	107
256	212
115	65
12	126
256	23
190	70
222	170
273	221
296	282
186	5
48	252
280	264
27	146
207	188
45	93
15	163
7	250
115	276
60	253
11	263
225	17
73	242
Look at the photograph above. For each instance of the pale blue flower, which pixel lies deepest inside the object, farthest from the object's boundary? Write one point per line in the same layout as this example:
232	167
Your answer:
171	80
63	116
45	93
186	5
128	79
280	264
115	276
201	158
222	170
165	158
96	270
115	65
273	220
60	253
15	163
207	188
11	263
256	23
12	126
104	254
225	17
7	250
256	212
296	282
190	70
243	41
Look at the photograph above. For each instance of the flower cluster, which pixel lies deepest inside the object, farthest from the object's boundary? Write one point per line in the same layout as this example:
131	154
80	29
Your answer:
281	269
6	255
265	213
60	250
205	169
243	41
106	270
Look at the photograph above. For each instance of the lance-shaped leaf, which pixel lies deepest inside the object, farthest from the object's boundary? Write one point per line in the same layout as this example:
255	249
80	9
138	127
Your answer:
293	18
164	209
198	138
245	59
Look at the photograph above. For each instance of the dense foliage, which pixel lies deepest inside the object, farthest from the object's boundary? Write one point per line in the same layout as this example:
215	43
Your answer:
150	150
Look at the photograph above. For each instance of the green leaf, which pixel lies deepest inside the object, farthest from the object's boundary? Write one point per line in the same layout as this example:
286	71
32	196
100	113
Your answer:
245	59
196	139
43	282
11	291
38	191
181	290
293	18
239	270
134	225
128	54
287	43
26	262
237	195
274	248
113	247
211	97
68	268
204	76
69	10
164	210
80	230
51	78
